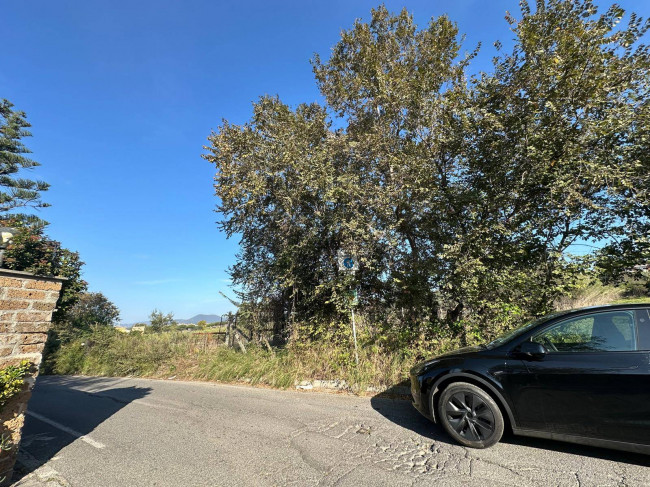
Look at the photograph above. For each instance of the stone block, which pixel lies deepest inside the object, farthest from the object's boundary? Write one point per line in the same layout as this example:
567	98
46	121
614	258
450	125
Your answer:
24	294
43	305
34	348
32	327
9	339
6	304
43	285
32	338
6	351
31	316
51	296
10	282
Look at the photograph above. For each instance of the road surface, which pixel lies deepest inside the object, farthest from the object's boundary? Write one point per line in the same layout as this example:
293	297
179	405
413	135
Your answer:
86	432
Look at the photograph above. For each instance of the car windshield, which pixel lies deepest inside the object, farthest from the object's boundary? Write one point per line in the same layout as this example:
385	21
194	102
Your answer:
506	337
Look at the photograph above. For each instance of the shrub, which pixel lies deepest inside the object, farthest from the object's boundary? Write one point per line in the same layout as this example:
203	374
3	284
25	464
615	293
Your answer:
12	379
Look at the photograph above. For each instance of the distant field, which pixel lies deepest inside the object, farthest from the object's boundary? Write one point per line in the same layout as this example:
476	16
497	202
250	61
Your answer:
641	300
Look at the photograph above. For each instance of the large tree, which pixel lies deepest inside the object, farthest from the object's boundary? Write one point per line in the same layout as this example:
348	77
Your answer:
16	192
463	197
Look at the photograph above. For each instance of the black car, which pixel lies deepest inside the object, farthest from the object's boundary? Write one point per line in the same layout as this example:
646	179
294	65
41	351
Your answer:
581	376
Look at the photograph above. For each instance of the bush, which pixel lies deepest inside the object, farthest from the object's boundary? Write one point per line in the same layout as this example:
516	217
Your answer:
12	379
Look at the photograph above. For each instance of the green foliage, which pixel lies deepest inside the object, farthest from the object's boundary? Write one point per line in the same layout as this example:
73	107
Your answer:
16	192
158	321
92	309
106	351
12	380
462	197
32	251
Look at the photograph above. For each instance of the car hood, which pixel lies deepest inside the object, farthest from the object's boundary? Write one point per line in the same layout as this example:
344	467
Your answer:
461	351
418	368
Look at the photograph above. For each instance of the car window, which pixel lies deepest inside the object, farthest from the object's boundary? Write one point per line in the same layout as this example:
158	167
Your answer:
512	334
643	320
613	331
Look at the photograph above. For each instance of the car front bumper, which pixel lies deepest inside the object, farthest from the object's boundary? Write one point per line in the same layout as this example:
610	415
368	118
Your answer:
419	399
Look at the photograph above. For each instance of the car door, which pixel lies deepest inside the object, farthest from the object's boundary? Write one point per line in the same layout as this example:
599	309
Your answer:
594	380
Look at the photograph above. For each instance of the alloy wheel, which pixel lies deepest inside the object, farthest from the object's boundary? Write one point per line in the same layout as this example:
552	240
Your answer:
470	416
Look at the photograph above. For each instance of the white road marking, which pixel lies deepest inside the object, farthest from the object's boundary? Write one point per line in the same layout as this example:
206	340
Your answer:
70	431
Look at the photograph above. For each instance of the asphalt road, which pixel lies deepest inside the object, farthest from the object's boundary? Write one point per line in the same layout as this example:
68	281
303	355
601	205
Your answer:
87	432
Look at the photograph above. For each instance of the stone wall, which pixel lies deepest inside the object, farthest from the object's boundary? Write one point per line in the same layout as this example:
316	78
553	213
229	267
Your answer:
26	306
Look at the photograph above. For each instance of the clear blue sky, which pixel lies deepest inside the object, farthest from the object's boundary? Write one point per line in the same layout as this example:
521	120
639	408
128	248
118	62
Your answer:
122	95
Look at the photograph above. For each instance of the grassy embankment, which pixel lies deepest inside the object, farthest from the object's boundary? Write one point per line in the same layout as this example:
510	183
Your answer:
193	356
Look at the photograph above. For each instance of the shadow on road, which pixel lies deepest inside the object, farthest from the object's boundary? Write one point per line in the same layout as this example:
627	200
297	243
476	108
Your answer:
581	450
396	407
66	401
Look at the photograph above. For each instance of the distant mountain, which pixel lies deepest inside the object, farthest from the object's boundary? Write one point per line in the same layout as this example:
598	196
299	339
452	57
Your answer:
197	318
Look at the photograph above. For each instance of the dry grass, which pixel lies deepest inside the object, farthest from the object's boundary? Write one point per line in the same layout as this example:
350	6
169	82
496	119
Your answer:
193	357
594	295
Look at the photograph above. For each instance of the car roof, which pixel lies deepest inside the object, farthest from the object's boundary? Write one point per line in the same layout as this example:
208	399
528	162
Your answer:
603	307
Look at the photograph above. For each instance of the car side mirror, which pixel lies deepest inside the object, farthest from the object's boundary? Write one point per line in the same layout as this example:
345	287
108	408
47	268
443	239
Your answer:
533	350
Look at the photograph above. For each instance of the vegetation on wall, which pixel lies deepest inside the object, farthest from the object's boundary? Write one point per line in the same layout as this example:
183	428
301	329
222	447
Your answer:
32	251
12	380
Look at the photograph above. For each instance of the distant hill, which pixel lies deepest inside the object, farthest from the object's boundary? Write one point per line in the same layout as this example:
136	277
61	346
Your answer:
197	318
193	319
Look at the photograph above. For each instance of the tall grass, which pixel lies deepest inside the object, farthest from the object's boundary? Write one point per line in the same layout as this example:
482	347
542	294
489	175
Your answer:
192	357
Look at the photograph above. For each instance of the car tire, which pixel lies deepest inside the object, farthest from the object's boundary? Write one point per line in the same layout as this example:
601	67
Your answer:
469	415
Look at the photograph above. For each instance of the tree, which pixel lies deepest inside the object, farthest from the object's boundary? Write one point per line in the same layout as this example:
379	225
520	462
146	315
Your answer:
463	197
559	151
16	192
158	321
32	251
92	309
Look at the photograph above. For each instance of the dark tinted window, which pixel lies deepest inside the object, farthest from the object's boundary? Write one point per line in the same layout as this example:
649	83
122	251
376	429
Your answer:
613	331
512	334
643	320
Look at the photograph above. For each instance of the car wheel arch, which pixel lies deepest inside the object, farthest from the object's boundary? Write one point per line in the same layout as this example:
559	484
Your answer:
441	383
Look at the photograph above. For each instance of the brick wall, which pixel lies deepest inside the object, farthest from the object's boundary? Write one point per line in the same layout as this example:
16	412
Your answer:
26	306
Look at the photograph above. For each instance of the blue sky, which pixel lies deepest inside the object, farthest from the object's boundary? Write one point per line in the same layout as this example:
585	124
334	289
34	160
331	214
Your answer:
121	96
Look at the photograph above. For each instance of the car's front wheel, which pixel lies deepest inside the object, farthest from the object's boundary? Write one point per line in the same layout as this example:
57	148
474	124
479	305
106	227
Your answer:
470	415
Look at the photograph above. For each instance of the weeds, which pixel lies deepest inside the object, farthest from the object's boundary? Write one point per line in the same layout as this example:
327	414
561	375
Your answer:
189	356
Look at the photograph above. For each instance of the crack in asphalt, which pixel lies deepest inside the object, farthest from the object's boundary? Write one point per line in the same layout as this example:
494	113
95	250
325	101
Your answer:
423	460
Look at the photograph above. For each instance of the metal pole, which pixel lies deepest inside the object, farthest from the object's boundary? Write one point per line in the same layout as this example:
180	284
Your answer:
354	334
